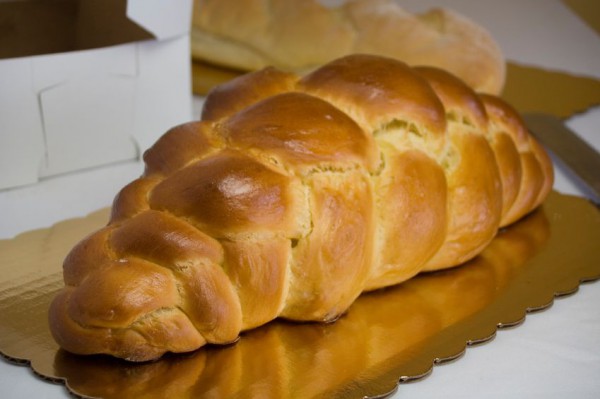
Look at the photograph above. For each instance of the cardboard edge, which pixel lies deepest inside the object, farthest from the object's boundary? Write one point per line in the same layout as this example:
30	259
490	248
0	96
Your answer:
163	25
502	326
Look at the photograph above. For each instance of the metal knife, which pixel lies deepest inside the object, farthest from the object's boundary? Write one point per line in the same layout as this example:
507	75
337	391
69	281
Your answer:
577	155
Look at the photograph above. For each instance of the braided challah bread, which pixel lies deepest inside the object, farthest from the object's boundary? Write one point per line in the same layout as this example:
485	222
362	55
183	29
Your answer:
291	197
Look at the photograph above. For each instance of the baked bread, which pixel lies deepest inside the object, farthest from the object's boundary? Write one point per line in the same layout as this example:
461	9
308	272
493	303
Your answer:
298	36
291	197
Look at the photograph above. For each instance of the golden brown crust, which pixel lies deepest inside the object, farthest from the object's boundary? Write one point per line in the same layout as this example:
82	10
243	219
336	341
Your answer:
409	233
292	198
179	146
258	269
338	248
89	254
129	289
473	185
379	95
245	90
461	104
132	199
508	160
305	132
545	163
228	193
536	173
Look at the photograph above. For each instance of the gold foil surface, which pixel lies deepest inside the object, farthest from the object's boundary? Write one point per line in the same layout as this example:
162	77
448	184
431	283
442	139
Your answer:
387	337
531	89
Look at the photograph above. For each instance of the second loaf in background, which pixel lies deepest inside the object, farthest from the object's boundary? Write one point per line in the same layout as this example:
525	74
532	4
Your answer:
299	36
291	197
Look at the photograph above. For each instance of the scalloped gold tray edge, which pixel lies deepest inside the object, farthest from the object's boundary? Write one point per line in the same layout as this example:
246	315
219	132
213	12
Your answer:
389	346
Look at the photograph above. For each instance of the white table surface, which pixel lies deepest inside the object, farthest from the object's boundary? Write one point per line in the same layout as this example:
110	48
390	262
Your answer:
553	354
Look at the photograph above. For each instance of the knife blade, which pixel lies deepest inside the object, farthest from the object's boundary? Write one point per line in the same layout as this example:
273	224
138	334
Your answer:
576	154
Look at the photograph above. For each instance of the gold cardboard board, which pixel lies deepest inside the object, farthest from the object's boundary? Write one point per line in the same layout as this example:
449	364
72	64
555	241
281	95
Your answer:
587	10
205	76
531	89
391	335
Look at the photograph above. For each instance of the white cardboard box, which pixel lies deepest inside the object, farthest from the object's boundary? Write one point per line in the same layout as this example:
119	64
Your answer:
72	110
